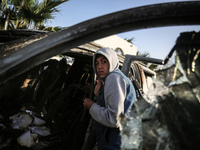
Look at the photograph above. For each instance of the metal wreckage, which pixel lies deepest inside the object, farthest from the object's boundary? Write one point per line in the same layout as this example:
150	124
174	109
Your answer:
41	102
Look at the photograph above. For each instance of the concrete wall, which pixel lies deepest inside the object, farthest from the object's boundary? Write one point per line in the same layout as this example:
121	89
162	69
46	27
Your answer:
115	41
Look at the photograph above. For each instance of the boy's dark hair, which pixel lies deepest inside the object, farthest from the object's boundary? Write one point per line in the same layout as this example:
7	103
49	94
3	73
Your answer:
97	56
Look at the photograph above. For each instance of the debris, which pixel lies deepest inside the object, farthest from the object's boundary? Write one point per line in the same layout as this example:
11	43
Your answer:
22	121
41	130
27	139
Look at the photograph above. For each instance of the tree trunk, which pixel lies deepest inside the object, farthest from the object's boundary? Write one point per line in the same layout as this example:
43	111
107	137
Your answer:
7	21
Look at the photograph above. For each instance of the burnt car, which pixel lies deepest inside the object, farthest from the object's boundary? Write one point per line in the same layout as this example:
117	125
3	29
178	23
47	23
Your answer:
54	94
41	98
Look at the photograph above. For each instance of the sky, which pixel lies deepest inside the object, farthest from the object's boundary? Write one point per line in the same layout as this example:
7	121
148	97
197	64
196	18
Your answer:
156	41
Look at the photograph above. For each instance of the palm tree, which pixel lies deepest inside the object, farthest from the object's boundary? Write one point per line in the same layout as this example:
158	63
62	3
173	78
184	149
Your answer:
129	40
52	29
37	14
28	12
5	13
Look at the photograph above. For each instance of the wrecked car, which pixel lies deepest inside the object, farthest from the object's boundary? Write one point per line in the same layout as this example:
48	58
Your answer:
41	98
44	105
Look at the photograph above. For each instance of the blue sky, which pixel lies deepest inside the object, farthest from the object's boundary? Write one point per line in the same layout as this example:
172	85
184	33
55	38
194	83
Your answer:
156	41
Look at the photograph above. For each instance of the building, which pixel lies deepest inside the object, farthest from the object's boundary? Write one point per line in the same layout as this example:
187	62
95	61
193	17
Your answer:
118	44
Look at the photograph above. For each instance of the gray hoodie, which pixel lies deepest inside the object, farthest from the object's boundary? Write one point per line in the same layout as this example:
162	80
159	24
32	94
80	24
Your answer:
114	92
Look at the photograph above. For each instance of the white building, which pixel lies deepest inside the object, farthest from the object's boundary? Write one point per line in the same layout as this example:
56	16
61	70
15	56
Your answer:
118	44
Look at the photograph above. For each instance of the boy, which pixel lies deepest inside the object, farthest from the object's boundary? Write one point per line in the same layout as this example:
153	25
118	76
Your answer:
114	93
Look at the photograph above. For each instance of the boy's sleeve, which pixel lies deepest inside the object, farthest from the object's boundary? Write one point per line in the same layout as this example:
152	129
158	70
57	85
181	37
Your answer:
114	96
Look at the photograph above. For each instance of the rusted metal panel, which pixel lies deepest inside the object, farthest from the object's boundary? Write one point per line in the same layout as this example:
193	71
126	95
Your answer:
130	58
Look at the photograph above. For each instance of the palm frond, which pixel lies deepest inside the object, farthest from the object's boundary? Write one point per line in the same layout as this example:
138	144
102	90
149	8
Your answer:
30	11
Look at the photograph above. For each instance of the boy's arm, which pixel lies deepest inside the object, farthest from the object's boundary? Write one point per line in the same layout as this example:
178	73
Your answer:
114	95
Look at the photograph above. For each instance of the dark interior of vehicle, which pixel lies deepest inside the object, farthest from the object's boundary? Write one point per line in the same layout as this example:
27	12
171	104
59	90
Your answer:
54	96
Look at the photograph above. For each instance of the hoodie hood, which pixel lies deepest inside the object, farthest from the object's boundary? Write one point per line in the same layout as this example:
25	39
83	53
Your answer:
111	55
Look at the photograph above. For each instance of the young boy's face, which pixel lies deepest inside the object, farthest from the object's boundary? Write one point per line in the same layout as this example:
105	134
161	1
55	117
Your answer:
102	66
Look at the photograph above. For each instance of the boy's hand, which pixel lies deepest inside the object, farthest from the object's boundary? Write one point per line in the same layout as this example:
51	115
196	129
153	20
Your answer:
97	87
87	103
